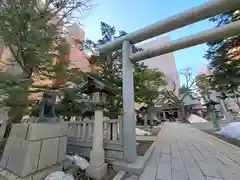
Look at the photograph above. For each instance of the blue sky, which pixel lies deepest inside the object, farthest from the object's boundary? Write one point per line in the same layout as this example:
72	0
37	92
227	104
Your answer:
130	15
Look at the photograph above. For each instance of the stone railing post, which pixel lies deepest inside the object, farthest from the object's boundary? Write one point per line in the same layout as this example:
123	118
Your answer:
114	131
97	168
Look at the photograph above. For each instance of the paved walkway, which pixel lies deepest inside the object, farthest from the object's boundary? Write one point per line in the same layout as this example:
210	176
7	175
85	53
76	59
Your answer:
185	153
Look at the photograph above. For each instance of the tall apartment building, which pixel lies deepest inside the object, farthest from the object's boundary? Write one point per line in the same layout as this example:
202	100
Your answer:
164	63
78	58
7	63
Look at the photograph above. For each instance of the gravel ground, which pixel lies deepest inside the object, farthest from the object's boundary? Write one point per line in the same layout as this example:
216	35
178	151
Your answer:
111	174
143	146
155	130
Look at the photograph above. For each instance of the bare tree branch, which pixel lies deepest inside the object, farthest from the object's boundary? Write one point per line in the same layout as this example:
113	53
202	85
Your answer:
190	82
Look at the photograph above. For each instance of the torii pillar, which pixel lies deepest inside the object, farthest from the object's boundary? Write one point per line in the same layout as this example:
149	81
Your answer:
129	119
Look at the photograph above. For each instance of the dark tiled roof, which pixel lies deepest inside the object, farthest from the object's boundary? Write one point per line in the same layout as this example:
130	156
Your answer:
100	83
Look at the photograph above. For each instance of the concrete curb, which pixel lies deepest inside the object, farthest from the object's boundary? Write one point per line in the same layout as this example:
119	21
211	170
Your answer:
120	175
148	154
137	167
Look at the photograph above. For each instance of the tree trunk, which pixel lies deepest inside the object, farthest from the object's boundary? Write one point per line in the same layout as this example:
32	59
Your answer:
237	102
16	114
8	129
209	113
183	113
227	114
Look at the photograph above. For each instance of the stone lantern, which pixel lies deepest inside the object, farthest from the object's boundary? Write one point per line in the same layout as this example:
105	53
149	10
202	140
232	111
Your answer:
99	93
97	89
210	104
99	98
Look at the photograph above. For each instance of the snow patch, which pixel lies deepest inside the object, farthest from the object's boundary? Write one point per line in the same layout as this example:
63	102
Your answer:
140	132
231	130
59	175
79	161
196	119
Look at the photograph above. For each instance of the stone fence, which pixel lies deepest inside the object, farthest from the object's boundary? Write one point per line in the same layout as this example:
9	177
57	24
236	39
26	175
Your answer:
80	138
83	130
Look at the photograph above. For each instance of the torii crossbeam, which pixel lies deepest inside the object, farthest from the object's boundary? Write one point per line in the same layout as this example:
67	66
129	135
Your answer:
185	18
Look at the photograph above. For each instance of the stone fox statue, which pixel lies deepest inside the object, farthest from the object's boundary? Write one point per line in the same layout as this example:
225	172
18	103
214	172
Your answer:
45	110
71	104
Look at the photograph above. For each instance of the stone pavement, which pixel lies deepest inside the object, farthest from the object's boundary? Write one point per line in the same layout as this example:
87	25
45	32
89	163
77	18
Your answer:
185	153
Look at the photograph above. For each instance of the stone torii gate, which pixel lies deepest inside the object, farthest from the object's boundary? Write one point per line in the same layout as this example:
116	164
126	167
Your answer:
185	18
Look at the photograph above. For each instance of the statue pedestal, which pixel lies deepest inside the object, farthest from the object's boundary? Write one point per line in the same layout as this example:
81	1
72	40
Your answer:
34	150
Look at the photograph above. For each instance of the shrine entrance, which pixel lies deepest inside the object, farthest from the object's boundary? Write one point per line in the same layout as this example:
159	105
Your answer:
177	21
168	107
170	115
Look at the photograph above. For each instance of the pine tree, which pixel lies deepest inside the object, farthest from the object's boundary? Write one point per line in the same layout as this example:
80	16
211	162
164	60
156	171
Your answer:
109	67
33	33
224	58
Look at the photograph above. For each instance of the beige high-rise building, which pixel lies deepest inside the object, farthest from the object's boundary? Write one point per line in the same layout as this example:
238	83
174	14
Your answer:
76	56
7	63
164	63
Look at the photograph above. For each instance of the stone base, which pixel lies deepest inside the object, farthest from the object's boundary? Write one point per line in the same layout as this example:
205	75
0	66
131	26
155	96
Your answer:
6	175
97	172
137	167
34	148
